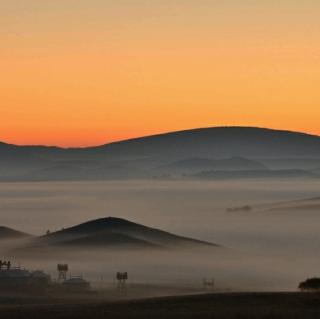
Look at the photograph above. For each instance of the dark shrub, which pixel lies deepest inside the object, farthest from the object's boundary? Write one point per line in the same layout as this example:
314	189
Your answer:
311	284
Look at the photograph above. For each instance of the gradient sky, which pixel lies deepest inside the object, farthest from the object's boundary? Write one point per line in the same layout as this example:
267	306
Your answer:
86	72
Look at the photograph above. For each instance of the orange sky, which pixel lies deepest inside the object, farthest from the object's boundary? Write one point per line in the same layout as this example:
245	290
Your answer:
86	72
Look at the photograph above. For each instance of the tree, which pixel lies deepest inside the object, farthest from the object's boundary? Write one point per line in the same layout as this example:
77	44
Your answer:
311	284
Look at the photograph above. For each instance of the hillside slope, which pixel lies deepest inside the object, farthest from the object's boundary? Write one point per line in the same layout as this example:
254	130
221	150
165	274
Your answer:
239	148
219	142
7	233
111	231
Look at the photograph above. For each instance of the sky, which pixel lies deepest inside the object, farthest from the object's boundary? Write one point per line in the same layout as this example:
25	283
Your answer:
87	72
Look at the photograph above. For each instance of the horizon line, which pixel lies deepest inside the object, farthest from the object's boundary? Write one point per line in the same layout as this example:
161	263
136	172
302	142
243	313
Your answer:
157	134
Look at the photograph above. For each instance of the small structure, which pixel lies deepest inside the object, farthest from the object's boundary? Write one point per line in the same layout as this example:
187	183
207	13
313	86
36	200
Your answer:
22	280
5	265
122	278
70	284
62	272
208	283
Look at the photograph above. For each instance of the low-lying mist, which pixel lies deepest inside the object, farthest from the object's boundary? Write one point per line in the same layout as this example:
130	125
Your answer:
263	249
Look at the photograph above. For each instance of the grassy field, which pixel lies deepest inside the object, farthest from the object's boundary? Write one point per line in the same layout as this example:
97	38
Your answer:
227	305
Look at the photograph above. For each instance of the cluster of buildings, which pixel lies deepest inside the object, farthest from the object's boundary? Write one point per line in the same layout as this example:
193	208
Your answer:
18	279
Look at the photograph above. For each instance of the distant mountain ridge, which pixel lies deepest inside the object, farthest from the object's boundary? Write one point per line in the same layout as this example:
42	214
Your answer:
142	157
254	174
282	141
230	141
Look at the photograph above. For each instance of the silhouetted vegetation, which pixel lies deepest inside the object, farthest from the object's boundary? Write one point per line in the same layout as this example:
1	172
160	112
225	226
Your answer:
311	284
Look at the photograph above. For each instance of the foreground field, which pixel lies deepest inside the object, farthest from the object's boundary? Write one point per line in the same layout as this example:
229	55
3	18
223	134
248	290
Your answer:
227	305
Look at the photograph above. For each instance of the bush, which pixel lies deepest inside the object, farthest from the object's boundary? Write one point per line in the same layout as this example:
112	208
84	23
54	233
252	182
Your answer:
311	284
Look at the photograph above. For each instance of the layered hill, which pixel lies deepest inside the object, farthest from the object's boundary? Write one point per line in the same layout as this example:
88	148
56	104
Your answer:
222	148
300	207
220	142
196	165
254	174
114	232
7	233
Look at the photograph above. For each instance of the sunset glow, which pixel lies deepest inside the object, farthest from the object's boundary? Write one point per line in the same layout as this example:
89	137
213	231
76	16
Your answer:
87	72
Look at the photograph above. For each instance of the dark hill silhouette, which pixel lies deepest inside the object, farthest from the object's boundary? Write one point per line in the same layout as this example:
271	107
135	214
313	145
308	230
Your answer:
213	141
108	239
219	142
111	231
9	233
142	157
254	174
